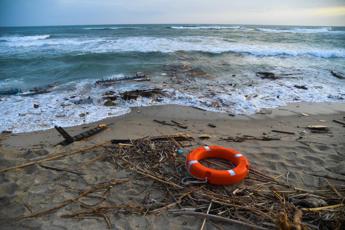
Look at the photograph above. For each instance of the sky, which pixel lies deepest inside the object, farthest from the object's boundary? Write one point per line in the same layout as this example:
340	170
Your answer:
82	12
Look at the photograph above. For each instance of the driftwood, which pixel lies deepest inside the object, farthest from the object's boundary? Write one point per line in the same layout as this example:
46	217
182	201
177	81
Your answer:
211	125
61	169
339	122
110	81
180	125
318	128
248	137
280	131
301	87
148	93
176	137
163	122
79	137
267	75
337	74
64	134
204	221
173	123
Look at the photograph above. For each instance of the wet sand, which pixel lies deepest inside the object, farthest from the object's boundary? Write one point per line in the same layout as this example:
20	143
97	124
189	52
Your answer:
303	159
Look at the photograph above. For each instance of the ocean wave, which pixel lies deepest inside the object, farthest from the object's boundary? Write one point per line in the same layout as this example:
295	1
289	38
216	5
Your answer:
212	45
301	30
110	28
24	38
204	27
174	44
63	44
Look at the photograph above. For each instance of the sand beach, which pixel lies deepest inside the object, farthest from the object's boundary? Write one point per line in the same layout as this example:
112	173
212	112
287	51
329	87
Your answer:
277	144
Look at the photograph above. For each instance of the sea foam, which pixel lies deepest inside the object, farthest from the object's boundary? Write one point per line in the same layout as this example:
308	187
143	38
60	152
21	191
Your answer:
168	45
301	30
81	102
204	27
24	38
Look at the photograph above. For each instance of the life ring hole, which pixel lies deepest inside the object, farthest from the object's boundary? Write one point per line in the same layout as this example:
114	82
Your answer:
217	163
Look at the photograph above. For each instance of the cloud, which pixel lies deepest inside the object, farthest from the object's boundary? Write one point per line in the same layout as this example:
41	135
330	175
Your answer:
62	12
329	11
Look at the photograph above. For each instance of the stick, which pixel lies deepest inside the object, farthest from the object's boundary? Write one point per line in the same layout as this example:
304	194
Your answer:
339	122
204	222
324	208
121	141
163	122
142	172
220	218
81	136
69	201
177	202
176	137
334	189
61	169
64	134
180	125
285	132
244	207
50	158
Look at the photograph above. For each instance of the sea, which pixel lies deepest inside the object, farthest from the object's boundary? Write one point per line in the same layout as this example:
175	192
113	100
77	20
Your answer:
48	74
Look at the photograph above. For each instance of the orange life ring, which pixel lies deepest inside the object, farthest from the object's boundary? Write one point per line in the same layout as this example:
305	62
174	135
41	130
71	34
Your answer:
214	176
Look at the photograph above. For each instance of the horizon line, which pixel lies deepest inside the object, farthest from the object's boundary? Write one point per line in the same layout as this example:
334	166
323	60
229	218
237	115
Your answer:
108	24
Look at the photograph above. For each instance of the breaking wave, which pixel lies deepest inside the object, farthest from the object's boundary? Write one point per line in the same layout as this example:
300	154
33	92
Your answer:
110	28
301	30
24	38
204	27
169	45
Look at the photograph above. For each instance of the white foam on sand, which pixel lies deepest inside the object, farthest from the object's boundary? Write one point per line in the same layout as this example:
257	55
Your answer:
55	108
79	103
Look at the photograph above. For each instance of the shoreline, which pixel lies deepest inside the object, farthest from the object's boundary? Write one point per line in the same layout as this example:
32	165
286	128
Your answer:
291	109
298	157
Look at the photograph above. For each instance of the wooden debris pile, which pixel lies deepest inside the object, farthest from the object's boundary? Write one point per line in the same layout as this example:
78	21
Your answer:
148	93
111	98
260	202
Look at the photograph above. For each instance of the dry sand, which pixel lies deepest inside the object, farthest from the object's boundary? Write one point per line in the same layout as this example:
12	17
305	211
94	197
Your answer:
303	159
